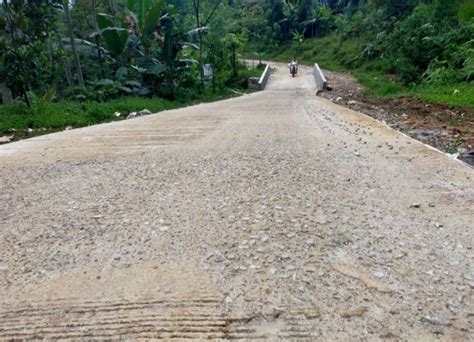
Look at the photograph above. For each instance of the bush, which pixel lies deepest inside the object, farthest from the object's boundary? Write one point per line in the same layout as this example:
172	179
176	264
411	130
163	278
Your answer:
428	46
467	71
442	74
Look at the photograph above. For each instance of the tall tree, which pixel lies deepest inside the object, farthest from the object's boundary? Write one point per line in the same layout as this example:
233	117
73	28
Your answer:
96	38
67	67
201	25
305	9
23	46
75	56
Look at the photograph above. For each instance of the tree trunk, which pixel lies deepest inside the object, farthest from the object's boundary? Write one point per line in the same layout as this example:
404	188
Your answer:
54	77
201	71
75	56
25	96
96	28
67	67
234	60
197	8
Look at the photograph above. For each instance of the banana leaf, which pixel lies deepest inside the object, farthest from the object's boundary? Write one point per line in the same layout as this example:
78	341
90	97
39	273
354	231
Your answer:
190	45
150	66
152	17
146	14
115	37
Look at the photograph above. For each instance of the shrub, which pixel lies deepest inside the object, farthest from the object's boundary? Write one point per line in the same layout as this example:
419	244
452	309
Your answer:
440	74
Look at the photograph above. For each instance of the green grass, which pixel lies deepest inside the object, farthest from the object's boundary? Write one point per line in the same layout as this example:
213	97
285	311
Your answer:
328	52
55	116
49	117
44	117
332	54
458	95
379	85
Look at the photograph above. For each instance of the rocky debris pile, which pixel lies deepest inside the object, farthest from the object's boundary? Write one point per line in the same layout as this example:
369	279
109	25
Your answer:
6	138
252	83
14	134
467	157
132	115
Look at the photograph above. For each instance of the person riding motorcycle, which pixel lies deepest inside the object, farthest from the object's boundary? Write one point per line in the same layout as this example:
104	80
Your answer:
293	63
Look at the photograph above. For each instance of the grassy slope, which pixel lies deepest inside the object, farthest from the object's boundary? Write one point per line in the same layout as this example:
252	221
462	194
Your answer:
55	116
333	55
49	117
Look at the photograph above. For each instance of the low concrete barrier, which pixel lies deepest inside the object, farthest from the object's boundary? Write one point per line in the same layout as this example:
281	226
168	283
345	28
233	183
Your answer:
319	77
262	82
259	83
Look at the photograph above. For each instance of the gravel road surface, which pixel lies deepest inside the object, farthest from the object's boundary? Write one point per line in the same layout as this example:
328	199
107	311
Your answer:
277	216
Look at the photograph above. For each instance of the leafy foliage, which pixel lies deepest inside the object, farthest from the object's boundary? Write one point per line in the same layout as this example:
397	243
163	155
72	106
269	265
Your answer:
418	41
121	51
115	37
157	48
25	29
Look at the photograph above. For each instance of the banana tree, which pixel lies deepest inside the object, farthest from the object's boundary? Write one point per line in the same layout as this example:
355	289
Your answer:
290	19
144	16
143	20
130	45
298	39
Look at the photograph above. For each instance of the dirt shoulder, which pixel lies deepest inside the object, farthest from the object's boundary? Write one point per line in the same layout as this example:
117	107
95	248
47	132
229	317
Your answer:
441	126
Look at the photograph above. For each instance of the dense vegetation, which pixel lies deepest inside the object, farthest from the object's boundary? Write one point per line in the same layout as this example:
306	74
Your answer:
424	47
91	54
77	63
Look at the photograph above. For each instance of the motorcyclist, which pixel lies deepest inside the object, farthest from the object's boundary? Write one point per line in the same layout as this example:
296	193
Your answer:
294	63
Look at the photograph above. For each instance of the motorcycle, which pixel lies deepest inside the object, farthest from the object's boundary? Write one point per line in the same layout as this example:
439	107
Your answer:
293	69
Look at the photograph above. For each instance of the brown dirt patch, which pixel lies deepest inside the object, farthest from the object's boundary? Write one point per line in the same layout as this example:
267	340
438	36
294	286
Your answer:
441	126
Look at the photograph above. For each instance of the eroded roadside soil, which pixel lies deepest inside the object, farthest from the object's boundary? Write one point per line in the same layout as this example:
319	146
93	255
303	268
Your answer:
448	129
275	216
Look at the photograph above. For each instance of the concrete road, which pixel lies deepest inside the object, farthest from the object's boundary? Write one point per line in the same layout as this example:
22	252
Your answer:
275	216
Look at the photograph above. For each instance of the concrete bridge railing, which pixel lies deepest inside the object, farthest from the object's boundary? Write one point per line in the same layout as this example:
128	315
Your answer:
262	82
321	81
